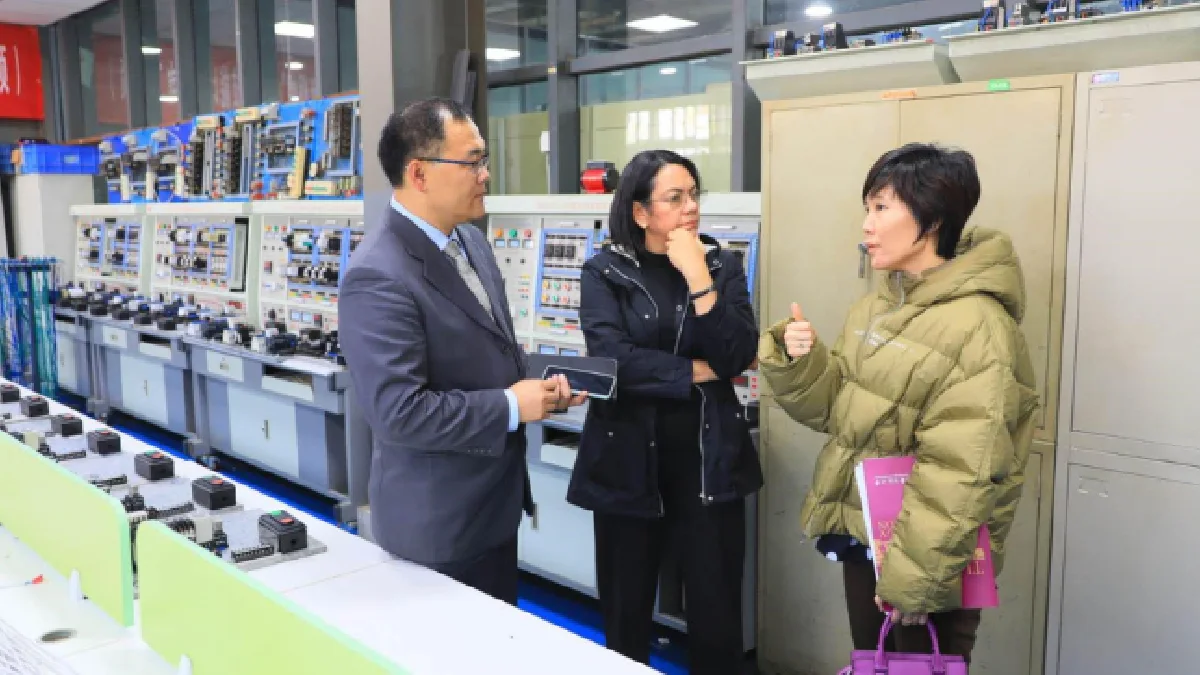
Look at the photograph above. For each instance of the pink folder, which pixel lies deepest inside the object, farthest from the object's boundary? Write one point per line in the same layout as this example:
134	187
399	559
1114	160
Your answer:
881	488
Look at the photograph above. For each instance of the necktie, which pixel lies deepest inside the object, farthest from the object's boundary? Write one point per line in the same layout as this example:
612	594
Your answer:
469	276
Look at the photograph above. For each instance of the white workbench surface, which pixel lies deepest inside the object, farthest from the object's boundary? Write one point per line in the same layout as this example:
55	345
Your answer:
426	622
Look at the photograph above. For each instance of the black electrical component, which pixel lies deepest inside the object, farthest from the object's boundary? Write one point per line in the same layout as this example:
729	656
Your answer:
104	442
66	456
44	448
122	314
251	553
281	530
98	308
9	393
214	493
165	323
833	36
34	406
170	511
143	319
119	479
66	425
154	465
134	501
281	345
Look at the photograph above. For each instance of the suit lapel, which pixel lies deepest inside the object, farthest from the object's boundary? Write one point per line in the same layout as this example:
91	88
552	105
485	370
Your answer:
441	274
479	256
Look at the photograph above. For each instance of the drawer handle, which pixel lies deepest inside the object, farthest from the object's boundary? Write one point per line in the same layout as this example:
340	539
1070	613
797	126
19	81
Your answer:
223	365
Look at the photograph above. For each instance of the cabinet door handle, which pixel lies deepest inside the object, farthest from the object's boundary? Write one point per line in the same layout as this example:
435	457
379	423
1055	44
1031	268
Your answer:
146	387
266	429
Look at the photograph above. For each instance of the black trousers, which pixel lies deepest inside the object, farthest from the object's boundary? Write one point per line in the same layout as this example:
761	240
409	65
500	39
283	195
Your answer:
956	629
493	572
711	545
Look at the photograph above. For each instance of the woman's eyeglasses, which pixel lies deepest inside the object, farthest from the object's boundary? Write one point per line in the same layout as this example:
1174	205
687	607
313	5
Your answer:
677	198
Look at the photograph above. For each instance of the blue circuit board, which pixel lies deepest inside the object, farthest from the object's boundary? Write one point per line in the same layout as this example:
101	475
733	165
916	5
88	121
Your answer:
336	167
285	148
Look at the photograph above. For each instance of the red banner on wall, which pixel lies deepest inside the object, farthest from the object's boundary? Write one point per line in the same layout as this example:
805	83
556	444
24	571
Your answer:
20	73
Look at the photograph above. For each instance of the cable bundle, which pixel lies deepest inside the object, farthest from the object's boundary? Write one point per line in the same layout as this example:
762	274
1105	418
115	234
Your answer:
29	346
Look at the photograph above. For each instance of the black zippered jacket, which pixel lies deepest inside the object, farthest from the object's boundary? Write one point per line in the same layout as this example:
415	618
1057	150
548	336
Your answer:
616	471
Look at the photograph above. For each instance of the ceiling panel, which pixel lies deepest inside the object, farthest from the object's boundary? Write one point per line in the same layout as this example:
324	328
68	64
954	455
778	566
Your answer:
41	12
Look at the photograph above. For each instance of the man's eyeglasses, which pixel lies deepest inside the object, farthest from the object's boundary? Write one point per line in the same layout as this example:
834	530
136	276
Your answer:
476	165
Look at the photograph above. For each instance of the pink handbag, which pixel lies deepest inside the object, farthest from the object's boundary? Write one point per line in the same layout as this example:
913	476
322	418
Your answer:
879	662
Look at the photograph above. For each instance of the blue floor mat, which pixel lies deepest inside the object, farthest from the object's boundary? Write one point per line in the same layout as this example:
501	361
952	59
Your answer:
562	607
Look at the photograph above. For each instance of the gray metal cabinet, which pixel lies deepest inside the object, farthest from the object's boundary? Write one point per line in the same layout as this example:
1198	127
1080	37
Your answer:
1122	593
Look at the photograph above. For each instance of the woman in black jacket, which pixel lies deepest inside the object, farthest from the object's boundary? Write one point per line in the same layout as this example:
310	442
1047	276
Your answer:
669	459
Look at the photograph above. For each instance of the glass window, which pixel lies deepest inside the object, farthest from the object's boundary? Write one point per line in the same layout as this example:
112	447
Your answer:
347	46
104	95
218	83
613	25
685	106
158	60
517	118
780	11
516	34
295	67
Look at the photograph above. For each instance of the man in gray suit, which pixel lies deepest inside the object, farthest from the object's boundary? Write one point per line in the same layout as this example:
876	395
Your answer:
427	335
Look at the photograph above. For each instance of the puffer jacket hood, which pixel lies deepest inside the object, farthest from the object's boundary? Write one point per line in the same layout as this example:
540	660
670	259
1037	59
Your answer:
933	365
984	263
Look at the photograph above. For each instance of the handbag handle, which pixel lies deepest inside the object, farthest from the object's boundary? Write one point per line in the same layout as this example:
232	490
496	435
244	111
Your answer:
881	667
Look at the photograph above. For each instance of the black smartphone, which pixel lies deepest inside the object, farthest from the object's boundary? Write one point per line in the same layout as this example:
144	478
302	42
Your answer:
597	385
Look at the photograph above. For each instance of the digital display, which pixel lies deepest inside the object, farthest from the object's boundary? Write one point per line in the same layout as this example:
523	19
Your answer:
569	352
500	243
547	349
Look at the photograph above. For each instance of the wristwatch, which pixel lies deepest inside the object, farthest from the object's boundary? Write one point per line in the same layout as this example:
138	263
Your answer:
692	297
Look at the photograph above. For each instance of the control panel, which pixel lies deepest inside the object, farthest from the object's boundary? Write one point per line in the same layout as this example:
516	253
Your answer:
740	237
300	263
566	245
200	253
202	157
237	169
135	162
336	168
516	242
165	164
285	144
112	150
108	251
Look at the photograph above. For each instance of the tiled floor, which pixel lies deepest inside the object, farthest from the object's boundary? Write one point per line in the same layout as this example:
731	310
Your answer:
557	605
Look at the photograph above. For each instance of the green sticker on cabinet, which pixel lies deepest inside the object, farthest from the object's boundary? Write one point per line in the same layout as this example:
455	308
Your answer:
999	85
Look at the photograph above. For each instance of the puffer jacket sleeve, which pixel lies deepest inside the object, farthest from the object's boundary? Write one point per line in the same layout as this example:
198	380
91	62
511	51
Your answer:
640	371
972	440
805	387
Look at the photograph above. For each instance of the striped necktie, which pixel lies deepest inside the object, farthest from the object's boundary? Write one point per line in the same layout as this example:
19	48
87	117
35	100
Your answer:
469	276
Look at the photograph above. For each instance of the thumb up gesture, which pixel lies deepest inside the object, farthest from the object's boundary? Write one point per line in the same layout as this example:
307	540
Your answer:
798	336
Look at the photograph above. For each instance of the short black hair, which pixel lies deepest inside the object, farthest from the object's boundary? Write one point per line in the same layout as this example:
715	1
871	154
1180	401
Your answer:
416	131
635	187
939	185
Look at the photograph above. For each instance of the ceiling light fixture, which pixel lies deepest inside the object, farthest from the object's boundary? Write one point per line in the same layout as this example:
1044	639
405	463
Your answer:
151	51
295	65
169	98
818	11
294	29
500	54
669	70
293	98
661	23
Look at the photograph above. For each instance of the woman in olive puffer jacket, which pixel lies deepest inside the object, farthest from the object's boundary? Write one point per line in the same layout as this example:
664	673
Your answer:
933	364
